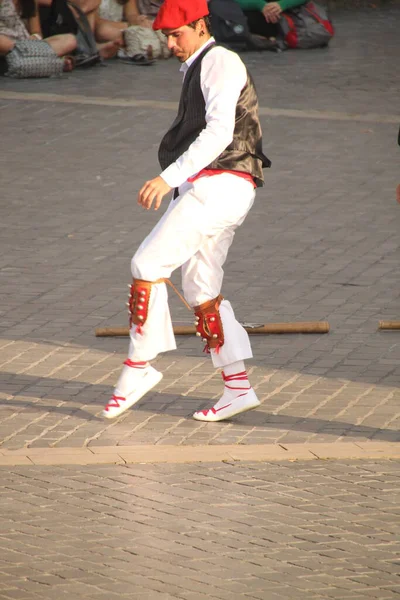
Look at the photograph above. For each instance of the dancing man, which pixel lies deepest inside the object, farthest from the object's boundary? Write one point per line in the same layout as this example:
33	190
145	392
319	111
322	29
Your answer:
212	157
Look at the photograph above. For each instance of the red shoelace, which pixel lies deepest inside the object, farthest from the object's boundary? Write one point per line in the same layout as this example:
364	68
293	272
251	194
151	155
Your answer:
242	376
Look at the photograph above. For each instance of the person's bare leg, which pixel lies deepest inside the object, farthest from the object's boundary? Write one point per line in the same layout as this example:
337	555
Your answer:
108	49
6	45
107	31
62	44
109	35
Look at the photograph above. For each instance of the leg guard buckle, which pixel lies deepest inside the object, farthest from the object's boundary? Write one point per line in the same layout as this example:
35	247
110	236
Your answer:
208	323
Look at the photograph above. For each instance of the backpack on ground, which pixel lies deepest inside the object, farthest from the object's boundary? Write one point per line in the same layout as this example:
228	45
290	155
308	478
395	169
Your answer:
306	26
229	27
33	58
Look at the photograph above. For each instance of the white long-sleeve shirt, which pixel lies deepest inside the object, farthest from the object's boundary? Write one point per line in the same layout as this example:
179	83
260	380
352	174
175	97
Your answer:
222	78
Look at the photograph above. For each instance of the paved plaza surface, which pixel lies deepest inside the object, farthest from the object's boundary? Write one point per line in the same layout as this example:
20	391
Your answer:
321	243
296	499
250	531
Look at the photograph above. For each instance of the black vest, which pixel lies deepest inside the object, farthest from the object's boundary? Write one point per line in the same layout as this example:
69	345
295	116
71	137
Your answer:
243	154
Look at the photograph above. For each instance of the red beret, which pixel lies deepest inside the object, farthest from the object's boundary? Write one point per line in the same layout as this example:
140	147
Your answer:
176	13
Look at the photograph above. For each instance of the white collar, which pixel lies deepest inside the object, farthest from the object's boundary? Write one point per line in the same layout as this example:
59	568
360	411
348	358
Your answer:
185	66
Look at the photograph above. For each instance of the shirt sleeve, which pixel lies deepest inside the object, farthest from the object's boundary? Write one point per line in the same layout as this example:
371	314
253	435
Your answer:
259	4
286	4
223	76
251	4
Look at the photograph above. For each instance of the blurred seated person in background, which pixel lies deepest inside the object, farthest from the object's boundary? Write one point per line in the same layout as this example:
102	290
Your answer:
108	20
109	36
114	16
124	11
263	17
19	20
119	15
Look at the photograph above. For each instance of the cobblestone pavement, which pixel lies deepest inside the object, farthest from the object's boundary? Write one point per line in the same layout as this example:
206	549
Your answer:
272	531
321	243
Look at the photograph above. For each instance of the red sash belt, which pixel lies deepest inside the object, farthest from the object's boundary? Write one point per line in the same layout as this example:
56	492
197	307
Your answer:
210	172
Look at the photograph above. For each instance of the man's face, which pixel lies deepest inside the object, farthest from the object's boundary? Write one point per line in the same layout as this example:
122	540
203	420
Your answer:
185	41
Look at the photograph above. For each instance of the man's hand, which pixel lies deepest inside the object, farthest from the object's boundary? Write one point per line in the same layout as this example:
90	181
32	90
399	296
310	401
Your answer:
272	12
153	191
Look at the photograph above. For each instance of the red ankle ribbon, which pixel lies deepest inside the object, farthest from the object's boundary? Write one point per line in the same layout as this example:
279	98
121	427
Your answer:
242	376
136	365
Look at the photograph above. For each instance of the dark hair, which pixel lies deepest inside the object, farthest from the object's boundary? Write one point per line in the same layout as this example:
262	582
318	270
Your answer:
27	8
206	20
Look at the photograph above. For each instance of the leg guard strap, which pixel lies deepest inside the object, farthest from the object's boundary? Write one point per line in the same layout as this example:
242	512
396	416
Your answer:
209	324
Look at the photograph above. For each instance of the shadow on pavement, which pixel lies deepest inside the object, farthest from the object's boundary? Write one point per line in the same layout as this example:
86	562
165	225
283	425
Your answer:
170	407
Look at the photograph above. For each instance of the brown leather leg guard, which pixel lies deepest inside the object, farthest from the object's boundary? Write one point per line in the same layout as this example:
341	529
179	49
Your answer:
139	298
209	325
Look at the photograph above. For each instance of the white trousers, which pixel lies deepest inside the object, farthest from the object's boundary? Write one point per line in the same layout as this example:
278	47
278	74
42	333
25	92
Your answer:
195	233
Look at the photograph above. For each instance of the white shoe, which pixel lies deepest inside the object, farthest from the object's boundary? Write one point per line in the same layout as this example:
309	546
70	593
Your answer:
138	382
244	402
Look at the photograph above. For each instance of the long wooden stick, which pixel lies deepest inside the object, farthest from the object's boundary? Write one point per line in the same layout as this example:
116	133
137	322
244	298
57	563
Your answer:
389	324
300	327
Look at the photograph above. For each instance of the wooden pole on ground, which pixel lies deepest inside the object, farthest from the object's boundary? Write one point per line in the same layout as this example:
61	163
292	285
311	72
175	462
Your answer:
300	327
389	324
